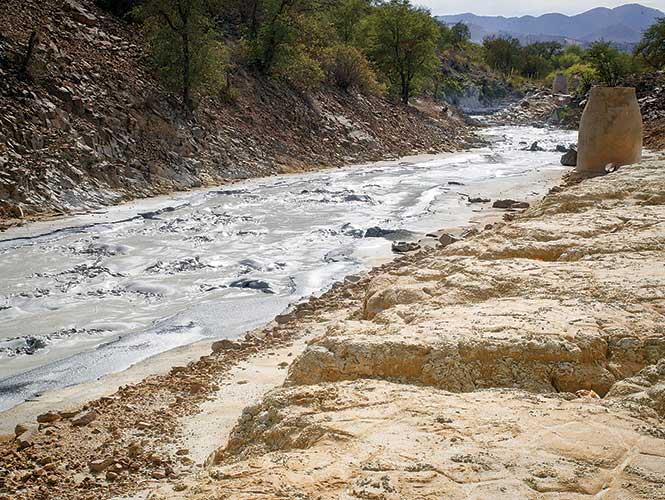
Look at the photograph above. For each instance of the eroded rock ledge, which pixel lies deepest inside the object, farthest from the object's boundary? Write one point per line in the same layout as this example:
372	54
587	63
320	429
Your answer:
457	376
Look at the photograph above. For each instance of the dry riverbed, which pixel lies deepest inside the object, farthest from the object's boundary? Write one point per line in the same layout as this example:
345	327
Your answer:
523	362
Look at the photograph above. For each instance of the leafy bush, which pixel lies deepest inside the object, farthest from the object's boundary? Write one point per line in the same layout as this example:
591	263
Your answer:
296	67
347	67
610	65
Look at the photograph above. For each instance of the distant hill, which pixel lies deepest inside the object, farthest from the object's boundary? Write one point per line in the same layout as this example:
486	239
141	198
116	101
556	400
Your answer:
622	25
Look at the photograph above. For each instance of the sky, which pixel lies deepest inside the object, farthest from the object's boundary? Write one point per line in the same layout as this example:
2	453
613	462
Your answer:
523	7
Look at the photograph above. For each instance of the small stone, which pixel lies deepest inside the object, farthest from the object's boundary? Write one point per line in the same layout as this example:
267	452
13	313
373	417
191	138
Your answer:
48	417
84	418
111	476
134	449
26	439
159	474
587	393
100	465
224	345
182	451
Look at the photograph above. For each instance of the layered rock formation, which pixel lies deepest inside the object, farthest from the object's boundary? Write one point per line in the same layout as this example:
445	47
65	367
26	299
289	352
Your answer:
474	371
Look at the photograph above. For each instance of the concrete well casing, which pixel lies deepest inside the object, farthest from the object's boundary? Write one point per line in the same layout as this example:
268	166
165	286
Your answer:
610	130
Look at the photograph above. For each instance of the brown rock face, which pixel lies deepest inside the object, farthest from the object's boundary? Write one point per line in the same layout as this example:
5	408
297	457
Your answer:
610	130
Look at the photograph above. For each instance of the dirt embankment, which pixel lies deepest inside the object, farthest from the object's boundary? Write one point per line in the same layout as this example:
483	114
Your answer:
95	128
525	362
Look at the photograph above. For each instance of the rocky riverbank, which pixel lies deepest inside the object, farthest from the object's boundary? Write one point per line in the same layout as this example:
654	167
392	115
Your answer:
525	361
90	126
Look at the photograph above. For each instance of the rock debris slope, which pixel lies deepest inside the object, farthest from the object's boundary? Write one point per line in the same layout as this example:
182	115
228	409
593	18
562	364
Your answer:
93	127
474	371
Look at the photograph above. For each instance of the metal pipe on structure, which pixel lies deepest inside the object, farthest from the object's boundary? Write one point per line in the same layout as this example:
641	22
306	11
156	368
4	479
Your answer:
610	130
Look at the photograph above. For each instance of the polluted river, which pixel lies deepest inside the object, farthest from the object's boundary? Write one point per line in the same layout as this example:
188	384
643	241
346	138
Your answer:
89	295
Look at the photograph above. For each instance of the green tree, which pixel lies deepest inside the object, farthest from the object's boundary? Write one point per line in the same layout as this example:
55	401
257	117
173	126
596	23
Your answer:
455	36
609	63
402	41
538	59
652	46
502	54
184	47
347	15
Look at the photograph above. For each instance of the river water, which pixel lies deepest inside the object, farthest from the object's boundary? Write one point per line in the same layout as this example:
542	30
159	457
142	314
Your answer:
88	295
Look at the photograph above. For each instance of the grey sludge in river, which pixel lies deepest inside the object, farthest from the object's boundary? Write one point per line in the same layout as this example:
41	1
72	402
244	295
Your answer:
610	130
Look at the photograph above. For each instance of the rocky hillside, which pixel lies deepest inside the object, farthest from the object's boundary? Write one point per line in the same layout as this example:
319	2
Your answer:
90	125
651	95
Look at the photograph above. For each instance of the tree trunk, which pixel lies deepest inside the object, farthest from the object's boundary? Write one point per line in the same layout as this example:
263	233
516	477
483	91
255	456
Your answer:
186	77
406	91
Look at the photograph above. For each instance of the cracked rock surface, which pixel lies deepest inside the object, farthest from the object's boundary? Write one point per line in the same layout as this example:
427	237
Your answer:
456	376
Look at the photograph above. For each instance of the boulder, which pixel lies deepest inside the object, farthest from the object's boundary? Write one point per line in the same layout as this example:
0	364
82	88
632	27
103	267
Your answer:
26	439
570	158
377	232
47	418
560	84
261	285
510	204
447	239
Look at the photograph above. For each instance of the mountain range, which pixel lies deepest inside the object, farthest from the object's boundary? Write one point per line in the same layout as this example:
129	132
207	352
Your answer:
622	25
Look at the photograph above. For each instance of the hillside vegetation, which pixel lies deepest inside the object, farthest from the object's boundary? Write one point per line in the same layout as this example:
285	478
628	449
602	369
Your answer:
95	109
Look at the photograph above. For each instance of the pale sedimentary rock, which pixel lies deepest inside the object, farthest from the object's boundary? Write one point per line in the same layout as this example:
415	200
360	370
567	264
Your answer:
377	440
560	85
473	371
610	130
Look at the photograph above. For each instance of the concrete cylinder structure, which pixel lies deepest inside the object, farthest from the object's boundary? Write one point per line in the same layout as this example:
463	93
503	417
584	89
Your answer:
610	130
560	85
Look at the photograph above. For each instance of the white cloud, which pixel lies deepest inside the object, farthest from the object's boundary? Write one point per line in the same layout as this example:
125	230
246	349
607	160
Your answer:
523	7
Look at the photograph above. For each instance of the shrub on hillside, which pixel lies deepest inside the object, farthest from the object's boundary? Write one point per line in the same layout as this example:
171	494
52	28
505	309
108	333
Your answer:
347	67
296	67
